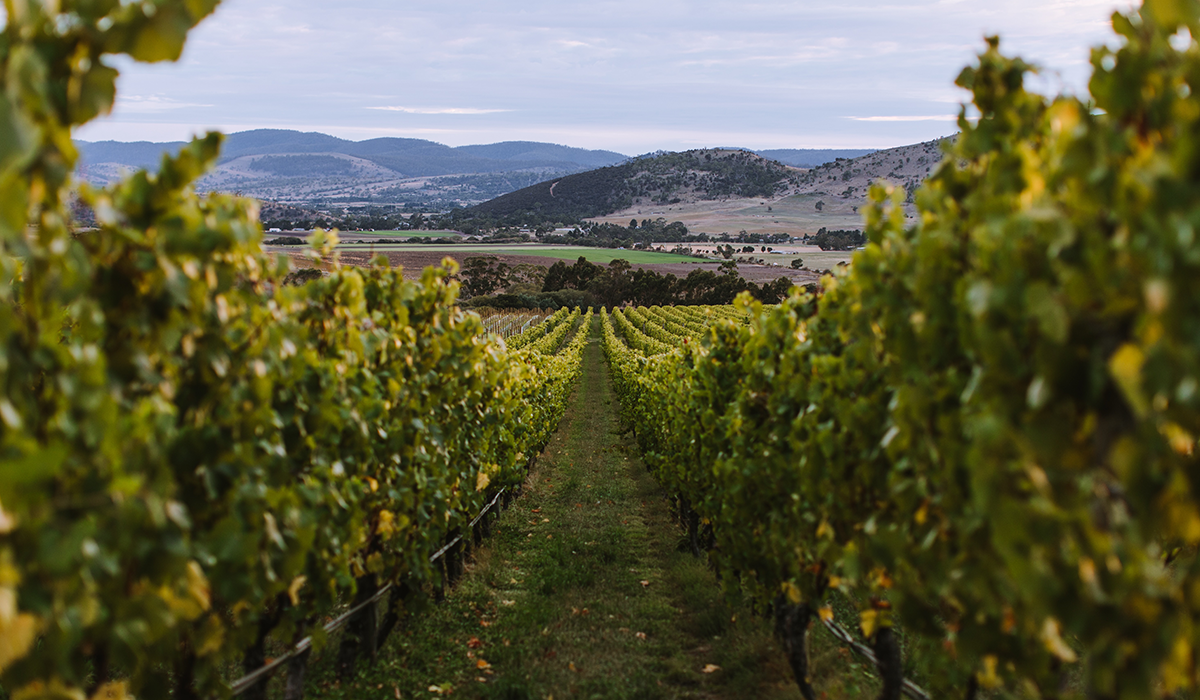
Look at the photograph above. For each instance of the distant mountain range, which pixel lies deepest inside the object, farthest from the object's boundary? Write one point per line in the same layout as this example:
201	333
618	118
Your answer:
312	168
406	157
317	169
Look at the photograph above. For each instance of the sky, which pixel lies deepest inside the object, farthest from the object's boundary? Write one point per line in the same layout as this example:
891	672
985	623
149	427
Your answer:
632	76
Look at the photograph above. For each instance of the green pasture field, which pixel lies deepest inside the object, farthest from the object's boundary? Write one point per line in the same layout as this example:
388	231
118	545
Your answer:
794	215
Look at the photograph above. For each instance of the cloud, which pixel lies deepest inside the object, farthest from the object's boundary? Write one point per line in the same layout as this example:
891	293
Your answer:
440	110
763	73
152	104
907	118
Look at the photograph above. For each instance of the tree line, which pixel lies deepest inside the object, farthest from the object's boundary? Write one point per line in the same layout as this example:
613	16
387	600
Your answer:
488	281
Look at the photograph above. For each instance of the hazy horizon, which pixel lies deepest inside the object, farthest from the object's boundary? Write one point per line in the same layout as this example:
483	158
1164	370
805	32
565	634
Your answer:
612	75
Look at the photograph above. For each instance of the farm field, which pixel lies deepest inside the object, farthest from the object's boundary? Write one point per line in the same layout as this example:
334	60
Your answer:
795	215
814	258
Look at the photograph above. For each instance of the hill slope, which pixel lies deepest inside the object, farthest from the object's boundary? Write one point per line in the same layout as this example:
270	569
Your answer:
828	196
669	178
906	166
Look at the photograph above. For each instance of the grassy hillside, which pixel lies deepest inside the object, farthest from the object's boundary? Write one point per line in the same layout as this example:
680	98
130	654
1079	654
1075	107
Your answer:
826	196
695	175
846	178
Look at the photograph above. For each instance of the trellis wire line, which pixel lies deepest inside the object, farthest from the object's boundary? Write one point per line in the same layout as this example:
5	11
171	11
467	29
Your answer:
249	680
909	688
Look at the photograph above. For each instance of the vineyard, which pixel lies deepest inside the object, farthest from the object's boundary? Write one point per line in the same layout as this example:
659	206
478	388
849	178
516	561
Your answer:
508	324
198	457
983	434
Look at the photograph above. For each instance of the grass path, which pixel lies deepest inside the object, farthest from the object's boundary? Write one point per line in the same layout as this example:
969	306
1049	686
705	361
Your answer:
582	592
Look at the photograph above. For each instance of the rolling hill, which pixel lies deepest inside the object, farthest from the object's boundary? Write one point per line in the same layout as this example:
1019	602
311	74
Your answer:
827	196
668	178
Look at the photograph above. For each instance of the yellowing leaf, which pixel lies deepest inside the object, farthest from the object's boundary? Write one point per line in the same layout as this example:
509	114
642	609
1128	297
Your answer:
294	589
482	480
375	563
8	522
825	613
1177	670
868	620
386	527
197	585
710	668
55	690
17	634
987	677
1125	366
792	592
1182	442
1052	638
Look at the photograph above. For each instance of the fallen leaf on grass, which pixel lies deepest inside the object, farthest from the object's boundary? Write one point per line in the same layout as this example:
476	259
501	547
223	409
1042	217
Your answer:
474	643
572	667
644	583
482	664
709	668
545	520
578	505
641	635
397	689
485	623
508	602
549	537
